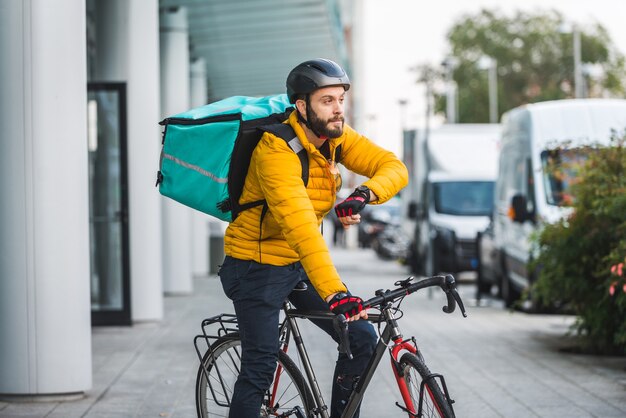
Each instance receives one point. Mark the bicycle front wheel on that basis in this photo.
(288, 395)
(434, 402)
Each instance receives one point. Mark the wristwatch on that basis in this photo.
(365, 190)
(338, 296)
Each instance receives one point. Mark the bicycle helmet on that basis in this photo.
(314, 74)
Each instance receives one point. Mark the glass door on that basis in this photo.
(108, 204)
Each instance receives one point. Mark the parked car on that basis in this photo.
(392, 243)
(375, 218)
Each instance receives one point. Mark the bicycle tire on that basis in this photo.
(224, 359)
(435, 403)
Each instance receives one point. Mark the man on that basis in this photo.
(267, 256)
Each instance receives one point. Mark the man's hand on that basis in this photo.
(349, 306)
(348, 210)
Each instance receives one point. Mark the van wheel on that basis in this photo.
(430, 266)
(411, 259)
(482, 286)
(509, 294)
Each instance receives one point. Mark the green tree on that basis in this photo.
(535, 61)
(581, 258)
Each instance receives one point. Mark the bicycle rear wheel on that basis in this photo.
(288, 395)
(434, 402)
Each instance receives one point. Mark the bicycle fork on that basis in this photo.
(411, 346)
(403, 345)
(395, 365)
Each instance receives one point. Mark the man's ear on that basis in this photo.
(301, 107)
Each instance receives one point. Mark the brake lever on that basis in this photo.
(340, 323)
(453, 296)
(459, 302)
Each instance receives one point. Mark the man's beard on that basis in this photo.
(321, 126)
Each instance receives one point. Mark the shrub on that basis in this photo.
(579, 257)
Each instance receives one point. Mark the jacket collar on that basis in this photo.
(293, 121)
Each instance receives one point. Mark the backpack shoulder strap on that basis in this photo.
(287, 134)
(338, 154)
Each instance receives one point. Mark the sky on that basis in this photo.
(399, 34)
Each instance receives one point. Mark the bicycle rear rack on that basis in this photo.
(227, 323)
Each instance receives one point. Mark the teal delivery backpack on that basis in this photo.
(206, 151)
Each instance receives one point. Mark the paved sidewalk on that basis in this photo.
(497, 363)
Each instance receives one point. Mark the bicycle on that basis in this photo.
(424, 394)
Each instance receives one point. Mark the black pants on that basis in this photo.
(258, 292)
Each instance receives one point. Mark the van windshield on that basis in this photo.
(560, 172)
(464, 198)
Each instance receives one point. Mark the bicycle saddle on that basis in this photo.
(300, 287)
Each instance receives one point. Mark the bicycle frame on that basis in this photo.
(390, 333)
(390, 339)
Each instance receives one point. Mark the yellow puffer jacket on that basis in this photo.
(291, 228)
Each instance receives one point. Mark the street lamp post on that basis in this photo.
(490, 64)
(449, 64)
(578, 70)
(578, 67)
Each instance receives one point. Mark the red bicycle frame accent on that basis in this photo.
(404, 390)
(279, 370)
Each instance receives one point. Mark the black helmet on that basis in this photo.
(314, 74)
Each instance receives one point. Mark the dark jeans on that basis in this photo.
(258, 292)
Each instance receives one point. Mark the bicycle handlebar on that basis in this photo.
(447, 283)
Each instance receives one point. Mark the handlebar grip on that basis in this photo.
(451, 303)
(340, 323)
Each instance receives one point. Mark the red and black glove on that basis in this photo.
(353, 203)
(345, 304)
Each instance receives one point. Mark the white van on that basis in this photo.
(527, 195)
(456, 208)
(451, 196)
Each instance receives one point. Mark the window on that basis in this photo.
(465, 198)
(560, 172)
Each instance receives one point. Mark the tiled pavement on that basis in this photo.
(497, 363)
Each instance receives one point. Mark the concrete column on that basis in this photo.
(175, 99)
(199, 221)
(198, 89)
(127, 50)
(45, 329)
(144, 148)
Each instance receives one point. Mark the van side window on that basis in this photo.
(514, 177)
(560, 170)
